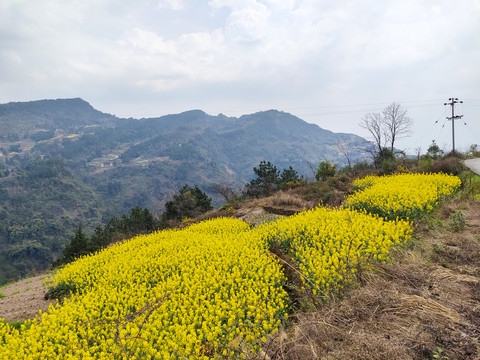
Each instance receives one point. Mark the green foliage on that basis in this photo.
(388, 167)
(325, 170)
(140, 221)
(42, 135)
(361, 168)
(47, 169)
(18, 325)
(78, 246)
(2, 295)
(60, 291)
(268, 179)
(438, 354)
(425, 164)
(434, 152)
(471, 185)
(385, 160)
(188, 203)
(266, 182)
(12, 136)
(15, 148)
(289, 177)
(28, 249)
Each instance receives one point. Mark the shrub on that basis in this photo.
(425, 164)
(384, 159)
(269, 180)
(449, 165)
(289, 178)
(387, 167)
(266, 182)
(325, 170)
(60, 291)
(189, 202)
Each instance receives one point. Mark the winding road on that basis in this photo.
(473, 164)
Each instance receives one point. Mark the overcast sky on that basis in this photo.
(327, 62)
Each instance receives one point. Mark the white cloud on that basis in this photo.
(171, 4)
(150, 42)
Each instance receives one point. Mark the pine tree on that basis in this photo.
(78, 246)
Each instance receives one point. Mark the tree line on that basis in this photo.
(189, 202)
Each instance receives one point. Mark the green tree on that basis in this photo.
(266, 182)
(325, 170)
(189, 202)
(434, 151)
(289, 176)
(78, 246)
(140, 221)
(15, 148)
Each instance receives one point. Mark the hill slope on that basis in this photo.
(423, 305)
(62, 163)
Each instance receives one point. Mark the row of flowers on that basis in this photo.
(404, 196)
(330, 245)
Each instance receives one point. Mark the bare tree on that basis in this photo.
(396, 123)
(387, 127)
(345, 149)
(418, 151)
(373, 122)
(225, 190)
(312, 167)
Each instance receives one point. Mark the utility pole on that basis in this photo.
(452, 103)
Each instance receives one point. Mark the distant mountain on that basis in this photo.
(26, 118)
(64, 160)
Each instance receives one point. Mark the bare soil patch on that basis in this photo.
(24, 299)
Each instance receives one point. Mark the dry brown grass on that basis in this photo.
(289, 199)
(425, 305)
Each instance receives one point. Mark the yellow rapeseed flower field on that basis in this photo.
(213, 290)
(194, 293)
(404, 196)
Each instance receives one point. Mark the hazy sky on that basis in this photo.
(327, 62)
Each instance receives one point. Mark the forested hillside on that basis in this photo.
(64, 163)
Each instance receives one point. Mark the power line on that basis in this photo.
(321, 109)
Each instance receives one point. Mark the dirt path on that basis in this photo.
(22, 300)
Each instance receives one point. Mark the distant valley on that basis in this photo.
(64, 163)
